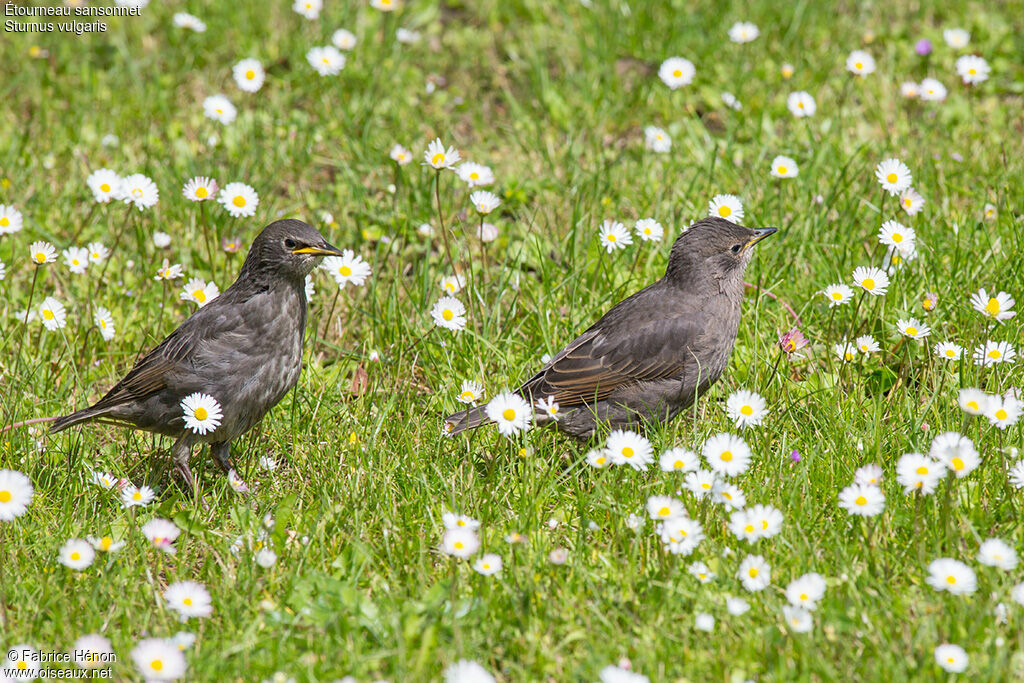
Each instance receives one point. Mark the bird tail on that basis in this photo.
(83, 415)
(471, 418)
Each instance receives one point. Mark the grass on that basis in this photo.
(554, 98)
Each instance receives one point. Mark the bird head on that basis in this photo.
(287, 248)
(716, 247)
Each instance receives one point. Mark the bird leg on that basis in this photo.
(180, 452)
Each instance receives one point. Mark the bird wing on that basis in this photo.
(609, 356)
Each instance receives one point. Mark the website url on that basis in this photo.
(30, 673)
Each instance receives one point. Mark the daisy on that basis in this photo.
(347, 268)
(239, 199)
(139, 190)
(613, 235)
(913, 328)
(310, 9)
(894, 234)
(487, 232)
(995, 552)
(199, 291)
(249, 75)
(51, 313)
(911, 201)
(161, 240)
(105, 321)
(860, 63)
(663, 507)
(384, 5)
(806, 591)
(449, 313)
(990, 212)
(1003, 412)
(997, 306)
(858, 499)
(801, 104)
(459, 542)
(676, 72)
(649, 230)
(657, 140)
(837, 295)
(406, 37)
(956, 38)
(754, 573)
(488, 564)
(993, 353)
(952, 658)
(973, 401)
(97, 252)
(972, 69)
(948, 350)
(15, 494)
(400, 155)
(678, 460)
(894, 176)
(92, 650)
(484, 202)
(867, 345)
(189, 21)
(266, 558)
(466, 671)
(450, 520)
(104, 183)
(736, 606)
(162, 534)
(767, 519)
(1016, 475)
(188, 599)
(42, 253)
(743, 526)
(76, 554)
(548, 408)
(438, 158)
(629, 448)
(475, 175)
(729, 100)
(105, 544)
(219, 108)
(787, 70)
(946, 574)
(704, 622)
(510, 412)
(202, 413)
(956, 452)
(846, 351)
(132, 496)
(745, 408)
(871, 280)
(76, 259)
(470, 392)
(104, 480)
(932, 90)
(916, 472)
(22, 663)
(910, 89)
(236, 482)
(159, 659)
(700, 483)
(169, 272)
(326, 61)
(598, 457)
(798, 619)
(343, 39)
(868, 475)
(700, 571)
(727, 206)
(200, 188)
(3, 270)
(730, 495)
(784, 167)
(743, 32)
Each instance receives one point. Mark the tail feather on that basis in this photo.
(471, 418)
(83, 415)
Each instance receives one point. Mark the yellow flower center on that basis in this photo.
(927, 304)
(992, 307)
(1001, 414)
(200, 413)
(859, 66)
(447, 314)
(5, 496)
(48, 314)
(896, 237)
(868, 283)
(749, 528)
(467, 395)
(486, 565)
(250, 74)
(837, 295)
(76, 556)
(971, 71)
(40, 257)
(803, 596)
(950, 352)
(199, 295)
(238, 201)
(726, 456)
(509, 414)
(847, 356)
(103, 323)
(601, 460)
(677, 73)
(995, 353)
(951, 579)
(747, 410)
(782, 170)
(647, 231)
(892, 177)
(106, 542)
(753, 572)
(950, 660)
(800, 105)
(105, 187)
(627, 452)
(705, 486)
(325, 60)
(861, 500)
(156, 665)
(973, 405)
(663, 512)
(678, 464)
(958, 464)
(911, 331)
(907, 202)
(922, 470)
(345, 271)
(474, 175)
(137, 193)
(724, 211)
(611, 238)
(202, 192)
(187, 602)
(22, 665)
(137, 495)
(458, 545)
(437, 159)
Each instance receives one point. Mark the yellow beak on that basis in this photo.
(327, 250)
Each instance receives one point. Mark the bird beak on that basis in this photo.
(760, 235)
(326, 250)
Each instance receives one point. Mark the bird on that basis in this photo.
(243, 348)
(654, 353)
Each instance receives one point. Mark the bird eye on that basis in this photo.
(290, 243)
(736, 248)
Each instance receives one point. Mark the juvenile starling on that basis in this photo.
(244, 348)
(654, 353)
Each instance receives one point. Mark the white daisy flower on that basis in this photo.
(464, 670)
(76, 259)
(438, 158)
(400, 155)
(219, 108)
(678, 460)
(459, 542)
(913, 328)
(932, 90)
(77, 554)
(989, 211)
(745, 408)
(952, 658)
(910, 89)
(700, 483)
(15, 494)
(52, 315)
(159, 659)
(161, 240)
(657, 140)
(510, 412)
(1003, 412)
(754, 573)
(729, 100)
(22, 663)
(860, 63)
(189, 21)
(894, 176)
(846, 351)
(139, 190)
(993, 353)
(475, 175)
(189, 599)
(680, 534)
(972, 69)
(327, 61)
(897, 235)
(947, 574)
(806, 591)
(104, 544)
(872, 280)
(343, 39)
(452, 284)
(956, 38)
(701, 572)
(862, 500)
(92, 651)
(488, 564)
(948, 350)
(911, 201)
(266, 558)
(996, 306)
(132, 496)
(973, 401)
(239, 199)
(484, 202)
(449, 313)
(97, 252)
(729, 495)
(384, 5)
(727, 206)
(249, 75)
(727, 454)
(743, 526)
(450, 520)
(104, 183)
(199, 189)
(663, 507)
(169, 272)
(598, 457)
(736, 606)
(868, 475)
(743, 32)
(767, 519)
(866, 344)
(548, 408)
(837, 295)
(995, 552)
(199, 291)
(798, 619)
(347, 268)
(676, 72)
(703, 621)
(406, 37)
(784, 167)
(801, 104)
(310, 9)
(649, 230)
(613, 235)
(629, 448)
(470, 392)
(162, 533)
(916, 472)
(105, 322)
(202, 413)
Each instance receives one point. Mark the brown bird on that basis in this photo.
(244, 349)
(655, 353)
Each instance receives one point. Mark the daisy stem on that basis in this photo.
(113, 247)
(28, 309)
(209, 242)
(828, 339)
(71, 358)
(483, 249)
(88, 217)
(440, 218)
